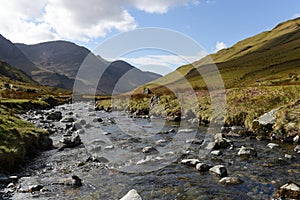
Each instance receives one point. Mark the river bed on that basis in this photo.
(111, 161)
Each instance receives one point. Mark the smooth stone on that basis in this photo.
(132, 195)
(221, 142)
(203, 167)
(247, 151)
(230, 181)
(55, 116)
(272, 145)
(219, 170)
(288, 156)
(296, 139)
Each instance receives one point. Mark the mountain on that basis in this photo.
(8, 72)
(12, 55)
(267, 59)
(69, 62)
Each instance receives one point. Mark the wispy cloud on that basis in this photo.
(219, 46)
(166, 63)
(296, 15)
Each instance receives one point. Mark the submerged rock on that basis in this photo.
(132, 195)
(272, 145)
(149, 150)
(72, 181)
(55, 116)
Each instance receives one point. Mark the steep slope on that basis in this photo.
(12, 55)
(8, 72)
(269, 58)
(66, 59)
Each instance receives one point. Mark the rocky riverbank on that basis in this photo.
(103, 155)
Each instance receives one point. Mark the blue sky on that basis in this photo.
(213, 24)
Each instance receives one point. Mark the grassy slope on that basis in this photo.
(19, 139)
(260, 73)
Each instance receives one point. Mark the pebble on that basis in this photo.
(216, 153)
(247, 151)
(289, 190)
(149, 150)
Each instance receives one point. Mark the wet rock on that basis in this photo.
(68, 126)
(297, 149)
(225, 129)
(272, 145)
(72, 181)
(264, 124)
(97, 120)
(172, 131)
(111, 120)
(149, 150)
(132, 195)
(288, 156)
(221, 142)
(187, 130)
(80, 132)
(238, 130)
(219, 170)
(216, 153)
(8, 179)
(296, 139)
(35, 188)
(67, 120)
(55, 116)
(202, 167)
(247, 151)
(76, 126)
(82, 122)
(190, 162)
(289, 190)
(87, 126)
(161, 141)
(109, 147)
(70, 142)
(194, 141)
(230, 181)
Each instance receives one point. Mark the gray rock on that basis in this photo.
(72, 181)
(161, 141)
(194, 141)
(221, 142)
(203, 167)
(76, 126)
(70, 142)
(149, 150)
(219, 170)
(82, 122)
(297, 149)
(67, 120)
(35, 188)
(272, 145)
(55, 116)
(132, 195)
(216, 153)
(296, 139)
(265, 122)
(288, 156)
(238, 129)
(247, 151)
(230, 181)
(190, 162)
(97, 120)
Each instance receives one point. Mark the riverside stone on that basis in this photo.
(219, 170)
(230, 181)
(132, 195)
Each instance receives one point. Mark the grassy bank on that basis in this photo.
(20, 140)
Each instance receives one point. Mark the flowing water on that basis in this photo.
(117, 140)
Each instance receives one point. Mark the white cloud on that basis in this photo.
(37, 21)
(220, 46)
(167, 63)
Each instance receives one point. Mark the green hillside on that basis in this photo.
(269, 58)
